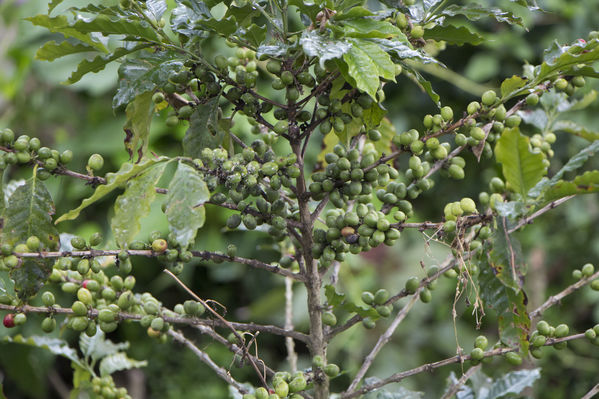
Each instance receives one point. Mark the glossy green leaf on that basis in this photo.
(272, 50)
(204, 130)
(81, 379)
(424, 84)
(134, 204)
(187, 193)
(128, 171)
(530, 4)
(322, 47)
(382, 60)
(117, 362)
(511, 86)
(576, 129)
(99, 62)
(362, 70)
(369, 28)
(352, 13)
(402, 50)
(521, 167)
(140, 75)
(108, 25)
(513, 383)
(451, 34)
(55, 346)
(51, 50)
(98, 346)
(60, 24)
(137, 128)
(29, 212)
(474, 13)
(563, 59)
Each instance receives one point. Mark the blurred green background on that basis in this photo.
(80, 117)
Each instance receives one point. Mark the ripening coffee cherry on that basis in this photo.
(468, 205)
(261, 393)
(282, 389)
(157, 97)
(297, 384)
(159, 245)
(9, 320)
(20, 319)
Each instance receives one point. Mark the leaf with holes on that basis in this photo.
(187, 193)
(131, 206)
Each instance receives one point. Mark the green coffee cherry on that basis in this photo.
(477, 354)
(48, 324)
(513, 358)
(282, 389)
(48, 298)
(329, 319)
(95, 162)
(488, 98)
(543, 327)
(331, 370)
(481, 342)
(33, 243)
(587, 270)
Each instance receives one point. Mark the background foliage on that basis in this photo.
(80, 117)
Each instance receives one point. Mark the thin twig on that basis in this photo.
(383, 339)
(289, 344)
(465, 377)
(221, 372)
(528, 219)
(434, 365)
(594, 391)
(226, 322)
(149, 253)
(554, 299)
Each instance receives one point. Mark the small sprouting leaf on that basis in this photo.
(99, 62)
(322, 47)
(60, 24)
(117, 362)
(521, 167)
(131, 206)
(97, 346)
(587, 183)
(140, 75)
(127, 172)
(51, 50)
(29, 212)
(204, 130)
(576, 129)
(513, 383)
(187, 193)
(137, 128)
(573, 164)
(510, 87)
(475, 13)
(55, 346)
(333, 298)
(451, 34)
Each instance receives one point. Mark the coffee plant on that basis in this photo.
(287, 131)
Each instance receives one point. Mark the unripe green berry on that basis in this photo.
(66, 157)
(588, 270)
(79, 308)
(481, 342)
(48, 298)
(513, 358)
(329, 319)
(85, 296)
(48, 324)
(477, 354)
(543, 327)
(488, 98)
(417, 31)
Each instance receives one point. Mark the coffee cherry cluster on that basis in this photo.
(105, 388)
(25, 150)
(285, 384)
